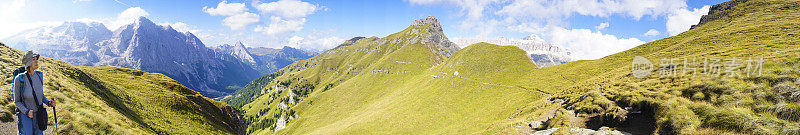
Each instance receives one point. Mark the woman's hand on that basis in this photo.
(30, 113)
(52, 103)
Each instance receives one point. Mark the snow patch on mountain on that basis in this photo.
(141, 45)
(542, 53)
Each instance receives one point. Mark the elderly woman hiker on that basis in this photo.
(29, 97)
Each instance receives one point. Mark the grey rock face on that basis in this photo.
(238, 51)
(262, 59)
(718, 11)
(349, 42)
(141, 45)
(181, 56)
(269, 60)
(437, 37)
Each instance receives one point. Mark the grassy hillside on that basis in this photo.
(604, 92)
(380, 85)
(111, 100)
(395, 84)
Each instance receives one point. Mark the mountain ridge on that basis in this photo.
(114, 100)
(147, 46)
(374, 73)
(142, 45)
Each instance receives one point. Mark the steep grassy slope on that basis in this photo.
(111, 100)
(433, 101)
(395, 84)
(604, 91)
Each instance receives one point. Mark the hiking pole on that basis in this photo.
(55, 116)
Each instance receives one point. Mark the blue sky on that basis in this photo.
(591, 28)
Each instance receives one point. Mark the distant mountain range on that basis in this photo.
(542, 53)
(262, 59)
(146, 46)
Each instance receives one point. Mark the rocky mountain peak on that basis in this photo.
(350, 42)
(438, 39)
(240, 46)
(144, 22)
(93, 31)
(434, 27)
(533, 37)
(295, 51)
(70, 41)
(288, 48)
(718, 11)
(93, 25)
(238, 51)
(425, 21)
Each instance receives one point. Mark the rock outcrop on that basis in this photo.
(718, 11)
(269, 60)
(238, 51)
(437, 37)
(349, 42)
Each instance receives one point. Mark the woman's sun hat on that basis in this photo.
(27, 59)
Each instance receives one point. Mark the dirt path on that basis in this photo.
(10, 128)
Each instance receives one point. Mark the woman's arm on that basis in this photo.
(18, 95)
(44, 98)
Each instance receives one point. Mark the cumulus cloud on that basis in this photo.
(473, 9)
(240, 21)
(587, 45)
(314, 43)
(547, 18)
(11, 12)
(554, 9)
(13, 24)
(280, 26)
(281, 19)
(237, 16)
(126, 17)
(286, 16)
(652, 32)
(683, 19)
(602, 26)
(515, 13)
(287, 8)
(226, 9)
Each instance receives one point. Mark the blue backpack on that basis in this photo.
(22, 81)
